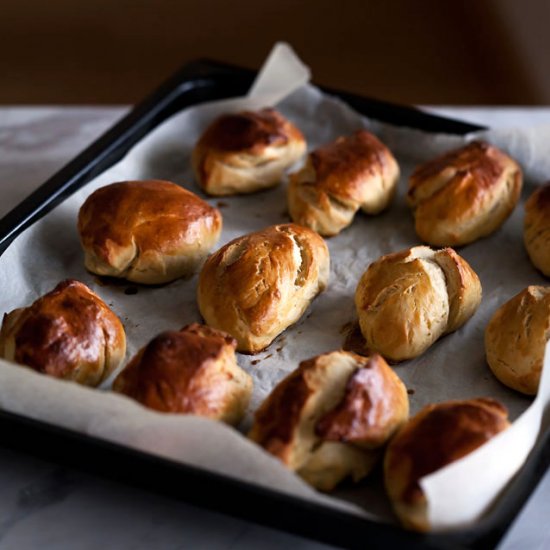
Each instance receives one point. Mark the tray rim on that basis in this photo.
(105, 151)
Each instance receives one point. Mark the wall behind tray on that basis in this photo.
(428, 51)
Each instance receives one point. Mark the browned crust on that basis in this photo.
(537, 228)
(474, 159)
(246, 152)
(67, 333)
(539, 199)
(156, 215)
(182, 372)
(248, 287)
(249, 131)
(344, 167)
(353, 172)
(438, 435)
(278, 416)
(515, 339)
(263, 259)
(374, 405)
(464, 195)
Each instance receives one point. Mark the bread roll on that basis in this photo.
(246, 152)
(354, 172)
(258, 285)
(464, 195)
(68, 333)
(148, 232)
(191, 371)
(516, 337)
(405, 301)
(330, 418)
(438, 435)
(537, 228)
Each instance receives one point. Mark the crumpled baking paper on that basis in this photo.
(454, 367)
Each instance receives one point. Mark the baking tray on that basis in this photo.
(199, 81)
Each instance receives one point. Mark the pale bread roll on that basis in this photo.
(407, 300)
(516, 337)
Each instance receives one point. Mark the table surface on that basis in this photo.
(46, 506)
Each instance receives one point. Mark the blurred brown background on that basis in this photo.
(430, 51)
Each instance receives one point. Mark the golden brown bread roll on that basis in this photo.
(464, 195)
(246, 152)
(259, 284)
(148, 232)
(68, 333)
(330, 418)
(536, 232)
(405, 301)
(191, 371)
(438, 435)
(516, 337)
(356, 171)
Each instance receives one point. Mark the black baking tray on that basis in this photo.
(199, 81)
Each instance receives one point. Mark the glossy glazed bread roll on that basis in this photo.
(246, 152)
(148, 232)
(516, 337)
(354, 172)
(405, 301)
(191, 371)
(438, 435)
(330, 418)
(68, 333)
(464, 195)
(258, 285)
(536, 231)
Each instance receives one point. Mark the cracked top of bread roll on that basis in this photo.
(464, 195)
(68, 333)
(516, 337)
(191, 371)
(354, 172)
(259, 284)
(406, 300)
(148, 232)
(328, 418)
(537, 228)
(246, 152)
(436, 436)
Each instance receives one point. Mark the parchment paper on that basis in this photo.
(454, 367)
